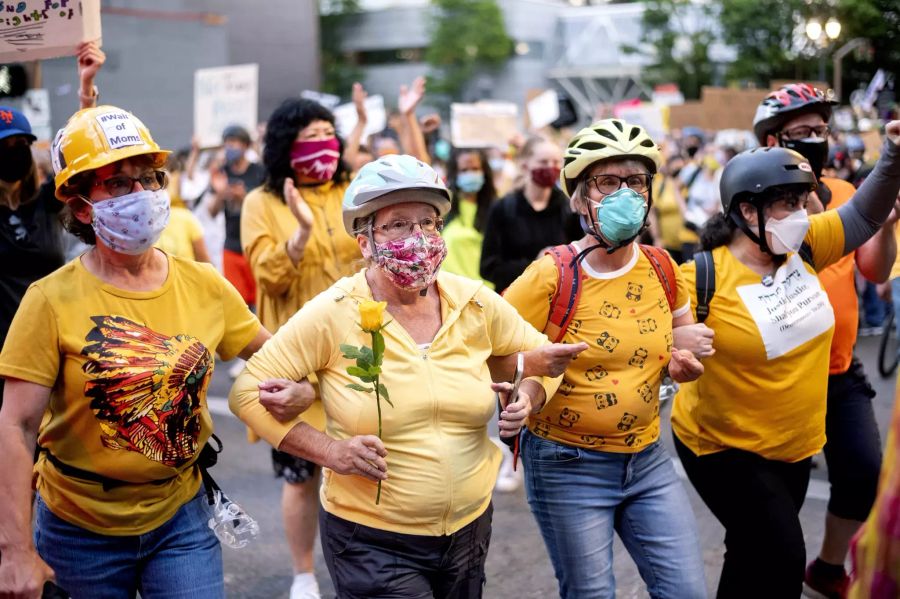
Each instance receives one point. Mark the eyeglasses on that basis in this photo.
(607, 184)
(805, 132)
(120, 185)
(402, 227)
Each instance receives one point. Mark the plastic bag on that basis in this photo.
(232, 525)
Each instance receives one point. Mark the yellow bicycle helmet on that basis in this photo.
(95, 137)
(609, 138)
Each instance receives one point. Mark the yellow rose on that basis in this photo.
(370, 315)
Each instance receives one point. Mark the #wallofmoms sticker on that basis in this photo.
(120, 129)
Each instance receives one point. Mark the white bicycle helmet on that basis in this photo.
(369, 191)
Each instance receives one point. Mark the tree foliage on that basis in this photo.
(339, 71)
(467, 36)
(679, 47)
(879, 22)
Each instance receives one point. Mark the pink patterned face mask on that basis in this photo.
(316, 160)
(412, 262)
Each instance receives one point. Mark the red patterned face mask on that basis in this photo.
(411, 262)
(317, 160)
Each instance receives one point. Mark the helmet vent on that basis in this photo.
(593, 145)
(618, 125)
(605, 134)
(569, 160)
(634, 133)
(647, 143)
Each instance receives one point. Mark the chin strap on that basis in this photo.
(759, 238)
(592, 228)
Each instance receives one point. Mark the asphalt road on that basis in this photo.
(517, 565)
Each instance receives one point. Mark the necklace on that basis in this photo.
(768, 280)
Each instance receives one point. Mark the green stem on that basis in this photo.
(378, 405)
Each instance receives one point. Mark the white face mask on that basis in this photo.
(788, 232)
(132, 223)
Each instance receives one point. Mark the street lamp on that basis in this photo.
(823, 35)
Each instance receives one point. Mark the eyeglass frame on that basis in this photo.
(648, 182)
(163, 184)
(825, 130)
(382, 228)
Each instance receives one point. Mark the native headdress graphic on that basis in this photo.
(146, 388)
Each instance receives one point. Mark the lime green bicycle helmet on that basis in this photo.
(609, 138)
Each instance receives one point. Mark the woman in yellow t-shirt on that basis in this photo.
(593, 460)
(107, 365)
(406, 513)
(746, 431)
(471, 183)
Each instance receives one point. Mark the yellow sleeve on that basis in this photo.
(31, 349)
(826, 238)
(683, 300)
(509, 333)
(195, 229)
(688, 283)
(241, 325)
(303, 345)
(531, 293)
(272, 267)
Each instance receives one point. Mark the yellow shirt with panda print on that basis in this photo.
(609, 396)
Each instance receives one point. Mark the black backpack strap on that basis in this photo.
(705, 283)
(806, 254)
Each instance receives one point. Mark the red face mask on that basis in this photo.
(316, 160)
(545, 176)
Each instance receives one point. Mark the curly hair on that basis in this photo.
(486, 196)
(718, 231)
(286, 122)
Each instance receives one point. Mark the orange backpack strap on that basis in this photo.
(568, 290)
(665, 272)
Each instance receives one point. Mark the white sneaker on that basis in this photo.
(305, 586)
(235, 369)
(508, 480)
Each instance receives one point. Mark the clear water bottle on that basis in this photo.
(232, 525)
(667, 389)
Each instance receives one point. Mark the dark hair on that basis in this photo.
(485, 196)
(286, 122)
(718, 231)
(84, 232)
(530, 145)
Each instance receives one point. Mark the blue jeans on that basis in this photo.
(182, 559)
(579, 497)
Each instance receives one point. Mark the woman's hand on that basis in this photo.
(515, 414)
(410, 96)
(892, 130)
(684, 367)
(552, 360)
(697, 338)
(363, 455)
(285, 399)
(299, 208)
(359, 96)
(90, 59)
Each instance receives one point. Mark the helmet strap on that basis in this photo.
(758, 236)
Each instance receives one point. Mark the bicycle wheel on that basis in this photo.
(887, 349)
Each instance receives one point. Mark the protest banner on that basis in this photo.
(647, 115)
(542, 109)
(483, 124)
(345, 117)
(689, 114)
(40, 29)
(329, 101)
(224, 96)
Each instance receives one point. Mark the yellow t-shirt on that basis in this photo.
(668, 212)
(441, 464)
(464, 244)
(609, 396)
(178, 237)
(129, 372)
(764, 389)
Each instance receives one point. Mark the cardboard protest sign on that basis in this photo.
(647, 115)
(329, 101)
(39, 29)
(224, 96)
(689, 114)
(543, 109)
(484, 124)
(376, 114)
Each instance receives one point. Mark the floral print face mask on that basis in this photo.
(412, 262)
(132, 223)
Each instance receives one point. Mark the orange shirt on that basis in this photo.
(840, 286)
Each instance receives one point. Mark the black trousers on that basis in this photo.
(369, 562)
(758, 502)
(853, 446)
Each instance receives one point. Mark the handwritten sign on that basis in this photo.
(484, 124)
(791, 311)
(224, 96)
(345, 117)
(39, 29)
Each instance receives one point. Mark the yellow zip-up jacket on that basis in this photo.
(282, 287)
(441, 464)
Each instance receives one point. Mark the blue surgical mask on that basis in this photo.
(470, 181)
(620, 216)
(232, 155)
